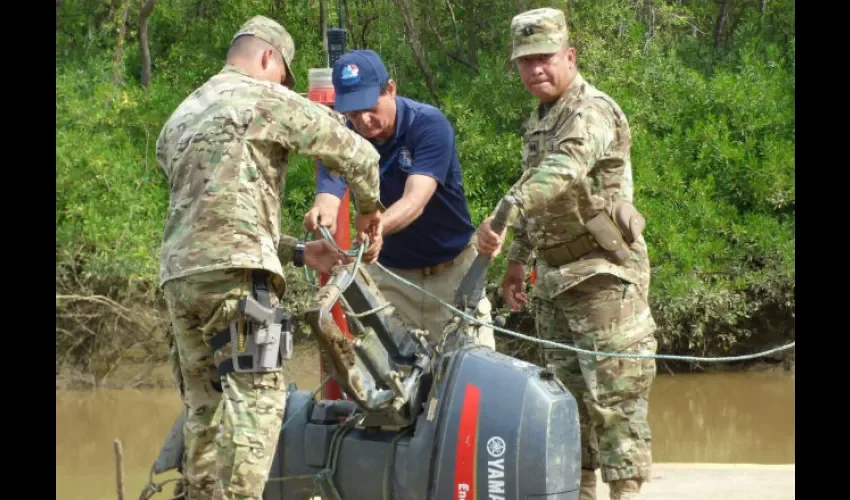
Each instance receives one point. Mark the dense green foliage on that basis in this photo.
(710, 98)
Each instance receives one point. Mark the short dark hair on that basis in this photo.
(248, 45)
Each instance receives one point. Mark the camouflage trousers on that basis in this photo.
(605, 314)
(230, 436)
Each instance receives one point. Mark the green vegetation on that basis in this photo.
(708, 88)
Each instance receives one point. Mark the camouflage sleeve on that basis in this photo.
(310, 129)
(286, 249)
(521, 247)
(580, 141)
(162, 153)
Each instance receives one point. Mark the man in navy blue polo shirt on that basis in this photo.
(427, 231)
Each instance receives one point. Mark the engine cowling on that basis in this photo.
(492, 427)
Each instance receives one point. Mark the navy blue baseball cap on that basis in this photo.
(357, 79)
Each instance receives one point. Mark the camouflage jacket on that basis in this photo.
(225, 152)
(576, 163)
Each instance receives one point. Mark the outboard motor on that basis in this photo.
(494, 427)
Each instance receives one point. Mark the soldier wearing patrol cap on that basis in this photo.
(225, 152)
(578, 225)
(269, 31)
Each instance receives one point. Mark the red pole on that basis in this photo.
(321, 91)
(342, 237)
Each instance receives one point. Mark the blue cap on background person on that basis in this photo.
(357, 78)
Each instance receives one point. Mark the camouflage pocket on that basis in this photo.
(269, 399)
(270, 381)
(248, 471)
(620, 378)
(580, 274)
(223, 316)
(250, 430)
(603, 320)
(248, 447)
(607, 310)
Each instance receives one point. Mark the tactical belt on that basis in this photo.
(261, 293)
(612, 236)
(570, 251)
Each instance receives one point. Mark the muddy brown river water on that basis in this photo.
(716, 418)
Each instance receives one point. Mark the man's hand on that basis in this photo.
(321, 256)
(374, 248)
(488, 242)
(513, 286)
(318, 216)
(324, 213)
(368, 224)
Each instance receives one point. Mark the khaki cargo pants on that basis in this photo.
(230, 436)
(420, 311)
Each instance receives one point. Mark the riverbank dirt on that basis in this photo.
(304, 368)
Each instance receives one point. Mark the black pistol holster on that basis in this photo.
(261, 337)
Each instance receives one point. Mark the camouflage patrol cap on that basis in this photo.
(538, 31)
(272, 32)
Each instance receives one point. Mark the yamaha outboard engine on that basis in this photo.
(494, 427)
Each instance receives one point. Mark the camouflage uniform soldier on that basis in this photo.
(225, 151)
(576, 217)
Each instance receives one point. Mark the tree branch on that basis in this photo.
(456, 56)
(59, 7)
(721, 20)
(348, 23)
(323, 26)
(118, 62)
(147, 9)
(418, 54)
(695, 29)
(365, 28)
(454, 24)
(459, 55)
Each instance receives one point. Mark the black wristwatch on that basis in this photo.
(298, 260)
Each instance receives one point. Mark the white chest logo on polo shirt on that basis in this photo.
(405, 160)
